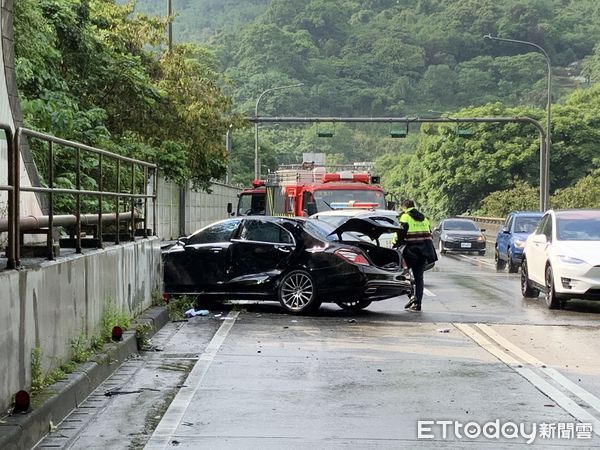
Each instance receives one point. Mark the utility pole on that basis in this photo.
(170, 26)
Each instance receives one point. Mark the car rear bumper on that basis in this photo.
(382, 290)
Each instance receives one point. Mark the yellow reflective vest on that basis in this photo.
(417, 231)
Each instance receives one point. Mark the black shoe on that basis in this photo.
(412, 301)
(414, 307)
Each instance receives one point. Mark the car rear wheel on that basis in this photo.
(355, 305)
(297, 293)
(500, 263)
(527, 290)
(552, 299)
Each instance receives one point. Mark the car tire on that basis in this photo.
(441, 249)
(481, 252)
(512, 266)
(553, 300)
(297, 293)
(354, 305)
(500, 263)
(527, 290)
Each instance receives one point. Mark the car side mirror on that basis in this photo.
(229, 208)
(505, 230)
(436, 230)
(539, 239)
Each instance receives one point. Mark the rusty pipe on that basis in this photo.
(31, 223)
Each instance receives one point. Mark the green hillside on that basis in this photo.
(197, 20)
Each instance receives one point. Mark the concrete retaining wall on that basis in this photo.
(50, 306)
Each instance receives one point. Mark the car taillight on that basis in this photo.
(352, 257)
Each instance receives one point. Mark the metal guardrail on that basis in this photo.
(134, 193)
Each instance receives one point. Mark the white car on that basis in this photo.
(337, 216)
(562, 257)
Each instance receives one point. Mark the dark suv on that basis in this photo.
(511, 238)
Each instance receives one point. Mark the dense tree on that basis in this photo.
(93, 71)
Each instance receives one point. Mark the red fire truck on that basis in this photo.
(306, 189)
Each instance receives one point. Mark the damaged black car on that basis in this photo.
(300, 262)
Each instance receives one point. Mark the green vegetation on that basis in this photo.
(178, 306)
(98, 72)
(95, 72)
(112, 317)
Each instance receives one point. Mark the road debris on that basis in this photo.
(193, 313)
(444, 330)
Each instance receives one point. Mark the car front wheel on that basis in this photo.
(441, 247)
(527, 290)
(552, 299)
(297, 293)
(354, 306)
(513, 267)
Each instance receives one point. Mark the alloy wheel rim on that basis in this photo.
(297, 291)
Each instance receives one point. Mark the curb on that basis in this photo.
(24, 431)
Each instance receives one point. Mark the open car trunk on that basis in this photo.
(382, 257)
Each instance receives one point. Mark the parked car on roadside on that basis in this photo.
(299, 261)
(562, 257)
(510, 240)
(338, 216)
(459, 235)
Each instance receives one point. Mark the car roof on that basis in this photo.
(358, 212)
(527, 213)
(458, 219)
(577, 213)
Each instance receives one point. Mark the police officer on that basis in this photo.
(418, 251)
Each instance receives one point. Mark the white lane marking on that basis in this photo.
(509, 345)
(168, 425)
(561, 399)
(487, 345)
(428, 293)
(580, 392)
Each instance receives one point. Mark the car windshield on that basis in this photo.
(330, 198)
(578, 228)
(251, 204)
(526, 224)
(460, 225)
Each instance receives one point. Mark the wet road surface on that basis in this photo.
(250, 376)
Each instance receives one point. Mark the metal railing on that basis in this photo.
(134, 194)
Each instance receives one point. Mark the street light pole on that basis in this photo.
(256, 162)
(544, 155)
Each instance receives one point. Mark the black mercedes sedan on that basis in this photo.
(299, 261)
(459, 235)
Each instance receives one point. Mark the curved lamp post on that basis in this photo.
(256, 163)
(545, 154)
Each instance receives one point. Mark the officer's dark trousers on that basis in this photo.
(418, 276)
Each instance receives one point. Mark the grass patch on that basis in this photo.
(180, 305)
(111, 317)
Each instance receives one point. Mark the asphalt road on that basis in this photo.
(250, 376)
